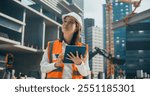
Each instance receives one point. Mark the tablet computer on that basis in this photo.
(72, 48)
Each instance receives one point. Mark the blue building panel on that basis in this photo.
(120, 11)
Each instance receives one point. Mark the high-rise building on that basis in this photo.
(76, 3)
(95, 39)
(88, 22)
(27, 26)
(138, 48)
(120, 10)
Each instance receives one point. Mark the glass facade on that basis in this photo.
(120, 11)
(138, 49)
(88, 22)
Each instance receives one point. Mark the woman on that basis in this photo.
(55, 68)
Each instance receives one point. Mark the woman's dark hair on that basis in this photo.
(75, 38)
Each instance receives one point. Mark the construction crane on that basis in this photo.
(109, 38)
(109, 31)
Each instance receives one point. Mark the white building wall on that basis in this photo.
(95, 36)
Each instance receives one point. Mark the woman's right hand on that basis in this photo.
(59, 62)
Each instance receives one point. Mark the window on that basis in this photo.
(123, 45)
(131, 32)
(116, 3)
(141, 31)
(123, 41)
(117, 41)
(127, 13)
(141, 60)
(140, 51)
(118, 56)
(121, 3)
(117, 37)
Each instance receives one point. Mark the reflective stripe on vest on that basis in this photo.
(58, 73)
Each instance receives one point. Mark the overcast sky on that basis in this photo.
(93, 9)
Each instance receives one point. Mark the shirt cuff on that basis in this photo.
(80, 65)
(54, 67)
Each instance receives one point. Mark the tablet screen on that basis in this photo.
(73, 49)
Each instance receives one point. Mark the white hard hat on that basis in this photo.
(75, 15)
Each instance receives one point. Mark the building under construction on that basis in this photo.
(25, 30)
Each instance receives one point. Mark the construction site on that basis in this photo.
(25, 30)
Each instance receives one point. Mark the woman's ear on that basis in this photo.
(78, 28)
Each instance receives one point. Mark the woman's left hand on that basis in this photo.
(76, 59)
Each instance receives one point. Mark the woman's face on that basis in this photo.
(69, 25)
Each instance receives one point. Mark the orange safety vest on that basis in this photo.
(57, 73)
